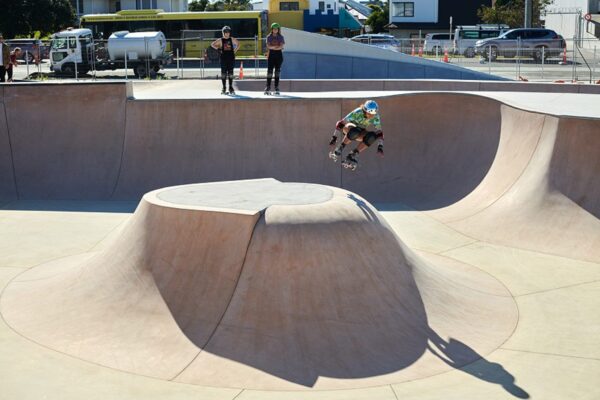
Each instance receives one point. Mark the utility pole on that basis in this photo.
(528, 12)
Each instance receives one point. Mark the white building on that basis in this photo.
(414, 11)
(111, 6)
(568, 18)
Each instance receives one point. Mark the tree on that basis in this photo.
(512, 12)
(379, 18)
(220, 5)
(24, 17)
(198, 5)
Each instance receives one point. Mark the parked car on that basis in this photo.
(378, 39)
(30, 49)
(537, 43)
(436, 43)
(465, 36)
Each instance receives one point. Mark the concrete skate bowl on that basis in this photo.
(264, 285)
(482, 166)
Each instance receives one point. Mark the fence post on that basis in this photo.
(76, 69)
(574, 69)
(518, 66)
(543, 60)
(490, 60)
(126, 70)
(177, 55)
(594, 66)
(27, 62)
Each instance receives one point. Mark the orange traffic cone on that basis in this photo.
(242, 70)
(412, 53)
(446, 56)
(420, 51)
(564, 60)
(598, 82)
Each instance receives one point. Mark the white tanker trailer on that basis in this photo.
(74, 50)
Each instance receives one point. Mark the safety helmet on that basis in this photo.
(275, 25)
(226, 29)
(370, 107)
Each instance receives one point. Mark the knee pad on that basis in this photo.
(370, 138)
(354, 132)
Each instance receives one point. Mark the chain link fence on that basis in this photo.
(192, 57)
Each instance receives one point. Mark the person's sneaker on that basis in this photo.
(231, 91)
(223, 91)
(267, 91)
(277, 91)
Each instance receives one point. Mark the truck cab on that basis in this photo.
(71, 51)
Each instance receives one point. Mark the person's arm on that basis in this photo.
(216, 44)
(236, 45)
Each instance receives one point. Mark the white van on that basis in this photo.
(436, 43)
(466, 36)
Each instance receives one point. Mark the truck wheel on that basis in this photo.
(140, 71)
(156, 68)
(68, 69)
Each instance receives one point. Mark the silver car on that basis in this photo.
(537, 43)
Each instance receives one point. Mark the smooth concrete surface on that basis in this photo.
(275, 299)
(249, 195)
(477, 188)
(354, 85)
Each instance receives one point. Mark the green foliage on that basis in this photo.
(379, 18)
(220, 5)
(198, 5)
(512, 12)
(26, 17)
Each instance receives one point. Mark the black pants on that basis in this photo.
(2, 73)
(9, 71)
(274, 63)
(227, 64)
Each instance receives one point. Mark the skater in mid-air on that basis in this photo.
(354, 127)
(227, 47)
(275, 44)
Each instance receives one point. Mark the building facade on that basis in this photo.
(415, 18)
(111, 6)
(567, 17)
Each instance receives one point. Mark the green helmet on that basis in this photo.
(275, 25)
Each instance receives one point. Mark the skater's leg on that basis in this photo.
(223, 78)
(278, 63)
(270, 66)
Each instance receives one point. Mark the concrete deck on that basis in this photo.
(499, 187)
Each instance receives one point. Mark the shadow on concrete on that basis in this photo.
(71, 206)
(457, 355)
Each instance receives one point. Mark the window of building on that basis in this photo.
(289, 6)
(403, 9)
(321, 6)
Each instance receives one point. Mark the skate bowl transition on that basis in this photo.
(254, 262)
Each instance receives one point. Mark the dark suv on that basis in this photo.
(537, 43)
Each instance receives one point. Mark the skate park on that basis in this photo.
(161, 241)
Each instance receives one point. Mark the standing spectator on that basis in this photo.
(275, 44)
(4, 58)
(14, 55)
(227, 46)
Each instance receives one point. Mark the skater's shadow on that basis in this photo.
(364, 207)
(458, 355)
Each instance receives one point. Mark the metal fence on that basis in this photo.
(192, 57)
